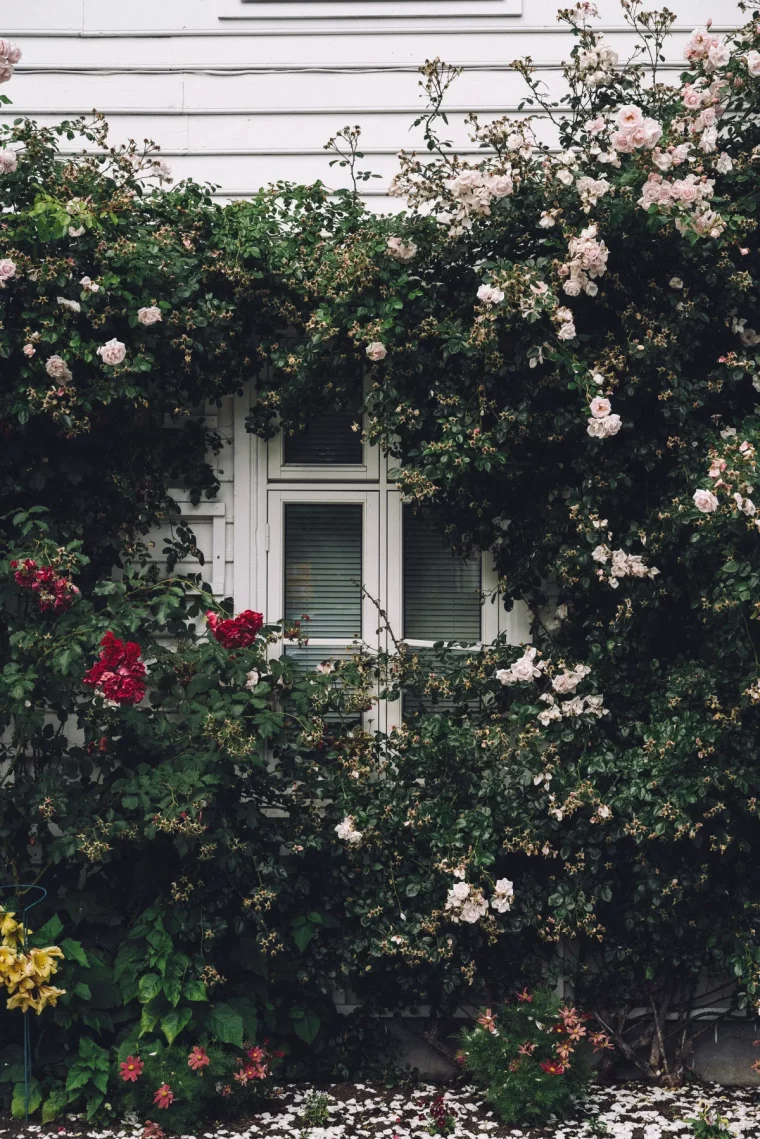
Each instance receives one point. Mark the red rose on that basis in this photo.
(118, 673)
(235, 632)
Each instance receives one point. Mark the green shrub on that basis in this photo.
(532, 1056)
(176, 1086)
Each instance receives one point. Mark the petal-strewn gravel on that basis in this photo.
(626, 1111)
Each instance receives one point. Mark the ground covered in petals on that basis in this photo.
(625, 1111)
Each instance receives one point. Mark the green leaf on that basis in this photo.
(227, 1025)
(194, 991)
(150, 986)
(49, 933)
(149, 1017)
(174, 1021)
(303, 934)
(54, 1104)
(307, 1027)
(18, 1103)
(74, 952)
(172, 991)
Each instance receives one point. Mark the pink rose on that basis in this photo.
(629, 117)
(718, 55)
(652, 133)
(662, 159)
(57, 368)
(595, 126)
(8, 161)
(29, 350)
(692, 96)
(113, 352)
(621, 142)
(149, 315)
(572, 287)
(705, 501)
(376, 351)
(400, 250)
(7, 269)
(600, 407)
(490, 295)
(753, 63)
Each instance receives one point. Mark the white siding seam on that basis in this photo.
(363, 30)
(296, 69)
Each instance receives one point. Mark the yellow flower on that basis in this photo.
(48, 995)
(43, 962)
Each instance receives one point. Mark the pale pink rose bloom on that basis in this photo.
(705, 501)
(600, 407)
(376, 351)
(663, 159)
(629, 116)
(6, 71)
(490, 295)
(709, 140)
(8, 161)
(698, 44)
(112, 352)
(401, 250)
(612, 424)
(621, 142)
(595, 429)
(7, 269)
(572, 287)
(753, 63)
(500, 185)
(724, 164)
(651, 192)
(595, 126)
(150, 315)
(652, 133)
(591, 288)
(708, 117)
(681, 153)
(718, 55)
(57, 368)
(692, 96)
(567, 331)
(547, 220)
(29, 350)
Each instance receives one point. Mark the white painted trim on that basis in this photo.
(238, 10)
(216, 511)
(369, 499)
(217, 33)
(221, 69)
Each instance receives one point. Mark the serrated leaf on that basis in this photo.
(149, 987)
(54, 1104)
(74, 952)
(227, 1025)
(19, 1105)
(174, 1021)
(194, 991)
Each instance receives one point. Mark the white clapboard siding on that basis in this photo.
(241, 93)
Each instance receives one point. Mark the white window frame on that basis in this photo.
(280, 471)
(278, 499)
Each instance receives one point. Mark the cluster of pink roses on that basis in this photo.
(634, 131)
(51, 589)
(687, 191)
(621, 564)
(603, 421)
(467, 903)
(707, 502)
(710, 50)
(474, 190)
(9, 57)
(401, 250)
(587, 259)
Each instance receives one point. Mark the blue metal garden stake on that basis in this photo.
(18, 889)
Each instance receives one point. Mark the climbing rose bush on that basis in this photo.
(559, 342)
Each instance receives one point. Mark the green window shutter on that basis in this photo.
(323, 568)
(328, 439)
(442, 594)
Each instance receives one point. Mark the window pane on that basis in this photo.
(329, 438)
(323, 568)
(442, 594)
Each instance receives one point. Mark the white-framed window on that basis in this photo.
(329, 537)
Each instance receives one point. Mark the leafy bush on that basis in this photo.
(532, 1056)
(563, 365)
(176, 1087)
